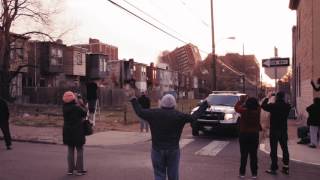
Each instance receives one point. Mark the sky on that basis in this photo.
(257, 25)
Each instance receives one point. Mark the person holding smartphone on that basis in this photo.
(279, 112)
(250, 126)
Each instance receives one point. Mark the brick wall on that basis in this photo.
(304, 55)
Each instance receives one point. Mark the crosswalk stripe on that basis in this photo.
(184, 142)
(213, 148)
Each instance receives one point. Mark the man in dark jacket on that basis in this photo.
(279, 112)
(166, 125)
(144, 102)
(4, 122)
(92, 98)
(314, 122)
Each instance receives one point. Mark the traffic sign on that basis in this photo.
(275, 62)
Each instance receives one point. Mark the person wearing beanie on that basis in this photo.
(249, 134)
(73, 134)
(279, 112)
(166, 125)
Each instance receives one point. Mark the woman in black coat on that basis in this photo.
(73, 134)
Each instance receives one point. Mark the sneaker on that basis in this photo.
(80, 173)
(83, 171)
(70, 173)
(254, 177)
(285, 170)
(312, 146)
(9, 148)
(241, 176)
(270, 171)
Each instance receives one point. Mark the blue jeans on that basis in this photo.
(165, 162)
(144, 125)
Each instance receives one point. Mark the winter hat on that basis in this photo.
(68, 97)
(168, 101)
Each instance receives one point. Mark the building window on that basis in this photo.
(78, 58)
(56, 61)
(53, 52)
(101, 64)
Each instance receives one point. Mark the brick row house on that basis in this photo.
(234, 72)
(18, 58)
(305, 57)
(183, 60)
(60, 67)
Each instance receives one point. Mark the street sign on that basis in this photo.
(275, 62)
(276, 74)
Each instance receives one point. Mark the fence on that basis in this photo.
(53, 96)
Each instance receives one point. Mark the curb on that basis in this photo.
(262, 147)
(33, 141)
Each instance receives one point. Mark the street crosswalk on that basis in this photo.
(210, 149)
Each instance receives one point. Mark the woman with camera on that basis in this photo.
(73, 131)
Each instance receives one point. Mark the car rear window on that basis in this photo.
(222, 100)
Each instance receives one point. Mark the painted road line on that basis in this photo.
(184, 142)
(213, 148)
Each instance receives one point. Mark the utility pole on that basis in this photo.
(243, 69)
(275, 70)
(213, 53)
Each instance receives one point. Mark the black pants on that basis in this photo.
(249, 146)
(282, 138)
(6, 133)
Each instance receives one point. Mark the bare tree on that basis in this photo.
(14, 13)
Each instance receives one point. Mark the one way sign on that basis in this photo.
(275, 62)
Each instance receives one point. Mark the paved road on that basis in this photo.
(202, 158)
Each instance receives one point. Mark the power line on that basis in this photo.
(235, 71)
(147, 14)
(137, 16)
(203, 22)
(171, 35)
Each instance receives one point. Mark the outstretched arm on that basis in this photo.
(265, 105)
(197, 113)
(314, 86)
(145, 114)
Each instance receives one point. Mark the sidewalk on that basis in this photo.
(53, 135)
(298, 152)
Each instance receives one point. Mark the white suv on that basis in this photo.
(220, 115)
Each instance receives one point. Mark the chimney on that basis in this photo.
(59, 41)
(91, 41)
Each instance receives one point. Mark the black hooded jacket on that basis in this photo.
(166, 124)
(279, 112)
(314, 113)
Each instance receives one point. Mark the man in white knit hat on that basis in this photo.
(166, 125)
